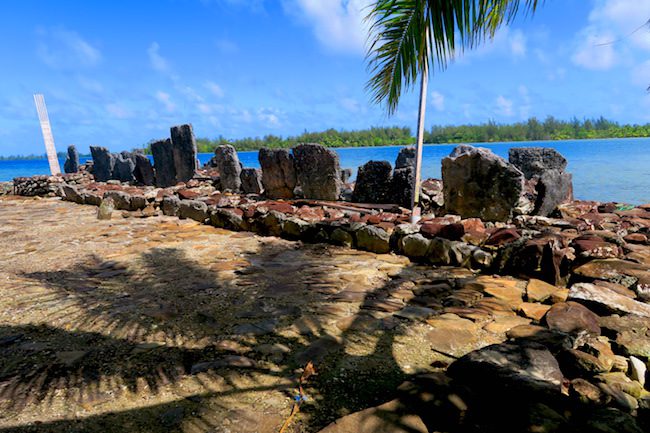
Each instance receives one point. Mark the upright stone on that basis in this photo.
(251, 181)
(403, 177)
(229, 167)
(318, 171)
(554, 187)
(103, 163)
(124, 167)
(278, 172)
(184, 151)
(71, 164)
(143, 172)
(478, 183)
(163, 162)
(405, 158)
(373, 183)
(534, 161)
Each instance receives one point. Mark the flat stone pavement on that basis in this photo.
(160, 324)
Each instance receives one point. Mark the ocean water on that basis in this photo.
(603, 170)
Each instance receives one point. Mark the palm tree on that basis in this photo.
(408, 36)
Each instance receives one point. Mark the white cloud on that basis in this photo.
(595, 51)
(338, 24)
(438, 100)
(60, 48)
(270, 117)
(517, 43)
(641, 74)
(504, 106)
(214, 88)
(506, 42)
(350, 104)
(118, 111)
(165, 99)
(158, 62)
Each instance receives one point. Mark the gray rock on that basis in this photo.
(609, 299)
(415, 246)
(143, 171)
(373, 183)
(105, 209)
(71, 193)
(534, 161)
(278, 172)
(341, 237)
(373, 239)
(124, 167)
(71, 164)
(318, 171)
(402, 186)
(510, 368)
(229, 167)
(193, 209)
(478, 183)
(163, 161)
(170, 205)
(228, 219)
(405, 158)
(103, 163)
(251, 181)
(554, 187)
(346, 174)
(184, 151)
(125, 201)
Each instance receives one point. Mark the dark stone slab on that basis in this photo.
(278, 172)
(534, 161)
(143, 171)
(71, 164)
(124, 167)
(163, 160)
(251, 181)
(103, 163)
(318, 171)
(184, 151)
(229, 167)
(373, 183)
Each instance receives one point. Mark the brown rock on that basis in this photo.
(503, 236)
(586, 392)
(572, 318)
(533, 310)
(539, 291)
(608, 299)
(391, 417)
(636, 238)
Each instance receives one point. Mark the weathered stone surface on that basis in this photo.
(372, 238)
(71, 193)
(251, 181)
(170, 205)
(539, 291)
(163, 160)
(124, 167)
(278, 172)
(103, 163)
(184, 152)
(71, 164)
(534, 161)
(510, 367)
(617, 271)
(402, 186)
(318, 171)
(229, 167)
(373, 183)
(609, 299)
(415, 246)
(553, 188)
(405, 158)
(341, 237)
(391, 417)
(105, 209)
(478, 183)
(193, 209)
(572, 318)
(143, 171)
(585, 392)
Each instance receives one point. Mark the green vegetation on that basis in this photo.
(60, 155)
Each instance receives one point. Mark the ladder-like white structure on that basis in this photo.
(55, 168)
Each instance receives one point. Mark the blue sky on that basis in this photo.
(119, 73)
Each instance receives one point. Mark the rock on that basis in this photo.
(609, 299)
(554, 341)
(391, 417)
(124, 167)
(539, 291)
(592, 246)
(638, 370)
(553, 188)
(278, 172)
(341, 237)
(193, 209)
(478, 183)
(163, 160)
(105, 210)
(184, 152)
(170, 205)
(586, 392)
(251, 181)
(71, 193)
(415, 246)
(405, 158)
(533, 310)
(572, 318)
(510, 368)
(535, 161)
(373, 239)
(318, 171)
(617, 271)
(373, 183)
(103, 163)
(229, 167)
(632, 333)
(71, 164)
(143, 171)
(402, 186)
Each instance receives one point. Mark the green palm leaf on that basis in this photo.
(407, 36)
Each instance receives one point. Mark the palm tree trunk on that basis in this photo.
(415, 198)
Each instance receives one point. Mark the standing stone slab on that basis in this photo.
(251, 181)
(71, 164)
(318, 171)
(534, 161)
(278, 172)
(143, 169)
(405, 158)
(478, 183)
(184, 151)
(373, 183)
(163, 161)
(103, 163)
(124, 167)
(554, 187)
(229, 167)
(403, 177)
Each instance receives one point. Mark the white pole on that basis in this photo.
(46, 129)
(415, 198)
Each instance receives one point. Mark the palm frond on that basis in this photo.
(407, 36)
